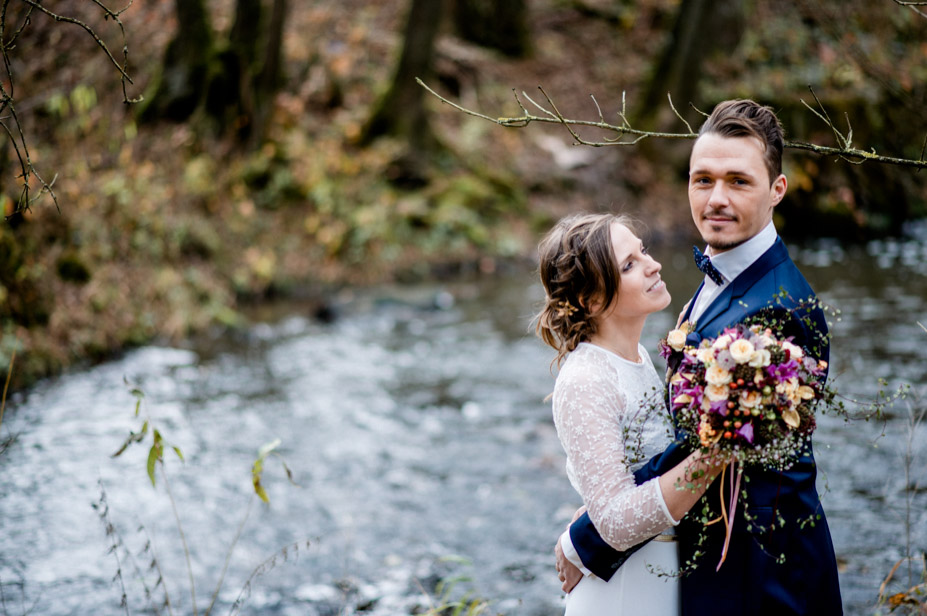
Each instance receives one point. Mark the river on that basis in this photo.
(415, 427)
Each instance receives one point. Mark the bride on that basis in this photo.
(609, 412)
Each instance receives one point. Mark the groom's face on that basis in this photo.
(730, 193)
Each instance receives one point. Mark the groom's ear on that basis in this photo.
(778, 189)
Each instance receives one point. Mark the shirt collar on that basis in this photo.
(733, 262)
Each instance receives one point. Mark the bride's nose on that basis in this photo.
(654, 265)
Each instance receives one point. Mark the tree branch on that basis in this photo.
(9, 120)
(844, 150)
(913, 4)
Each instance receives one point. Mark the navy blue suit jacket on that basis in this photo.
(751, 580)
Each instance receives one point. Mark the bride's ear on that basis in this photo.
(592, 306)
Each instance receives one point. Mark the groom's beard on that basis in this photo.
(723, 246)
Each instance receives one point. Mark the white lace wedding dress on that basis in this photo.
(611, 419)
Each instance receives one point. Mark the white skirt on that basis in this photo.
(636, 588)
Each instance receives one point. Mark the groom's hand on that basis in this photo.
(682, 314)
(567, 572)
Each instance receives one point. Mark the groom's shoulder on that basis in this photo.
(783, 271)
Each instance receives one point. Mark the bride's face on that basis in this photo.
(641, 289)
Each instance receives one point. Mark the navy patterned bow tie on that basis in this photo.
(703, 262)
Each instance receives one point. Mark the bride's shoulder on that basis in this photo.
(585, 363)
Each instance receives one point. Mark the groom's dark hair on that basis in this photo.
(747, 118)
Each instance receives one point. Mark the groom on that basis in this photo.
(781, 561)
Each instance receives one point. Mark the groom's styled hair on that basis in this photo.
(747, 118)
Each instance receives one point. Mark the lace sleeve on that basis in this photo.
(588, 409)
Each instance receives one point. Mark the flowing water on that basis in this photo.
(416, 429)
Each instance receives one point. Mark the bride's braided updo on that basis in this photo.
(580, 277)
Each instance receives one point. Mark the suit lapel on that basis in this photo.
(739, 287)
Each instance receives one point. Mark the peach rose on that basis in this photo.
(742, 350)
(676, 339)
(716, 375)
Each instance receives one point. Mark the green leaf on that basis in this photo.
(259, 490)
(178, 452)
(154, 454)
(256, 470)
(289, 473)
(134, 437)
(123, 448)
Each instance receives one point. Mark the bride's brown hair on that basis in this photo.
(580, 277)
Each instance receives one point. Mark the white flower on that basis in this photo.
(676, 339)
(759, 359)
(721, 342)
(705, 355)
(742, 351)
(716, 375)
(794, 351)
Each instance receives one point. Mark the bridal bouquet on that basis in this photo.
(748, 392)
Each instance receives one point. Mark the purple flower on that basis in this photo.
(719, 407)
(783, 372)
(746, 431)
(665, 350)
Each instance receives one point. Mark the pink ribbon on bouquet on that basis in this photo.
(729, 520)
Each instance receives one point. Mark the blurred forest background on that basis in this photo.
(283, 147)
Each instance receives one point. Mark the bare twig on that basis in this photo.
(6, 386)
(228, 557)
(527, 118)
(88, 29)
(913, 6)
(844, 150)
(269, 564)
(10, 121)
(669, 97)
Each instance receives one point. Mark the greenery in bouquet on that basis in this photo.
(749, 392)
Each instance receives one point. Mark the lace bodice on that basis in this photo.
(611, 419)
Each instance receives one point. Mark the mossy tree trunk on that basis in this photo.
(496, 25)
(232, 81)
(702, 28)
(401, 111)
(230, 98)
(179, 88)
(270, 75)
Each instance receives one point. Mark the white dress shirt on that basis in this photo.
(732, 264)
